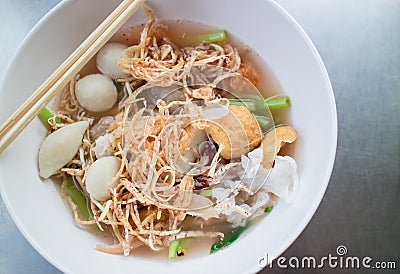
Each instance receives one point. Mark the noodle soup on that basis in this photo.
(170, 141)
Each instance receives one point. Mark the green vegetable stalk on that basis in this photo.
(78, 198)
(44, 116)
(278, 102)
(226, 242)
(212, 37)
(253, 105)
(176, 247)
(173, 248)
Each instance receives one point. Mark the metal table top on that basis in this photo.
(359, 41)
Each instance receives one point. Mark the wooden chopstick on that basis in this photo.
(17, 122)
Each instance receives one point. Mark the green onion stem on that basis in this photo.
(78, 198)
(278, 102)
(173, 248)
(212, 37)
(44, 116)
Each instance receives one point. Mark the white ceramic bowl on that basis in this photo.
(39, 212)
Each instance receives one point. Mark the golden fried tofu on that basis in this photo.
(273, 141)
(239, 132)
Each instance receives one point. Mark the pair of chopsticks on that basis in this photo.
(17, 122)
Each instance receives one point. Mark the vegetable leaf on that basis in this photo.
(268, 209)
(220, 244)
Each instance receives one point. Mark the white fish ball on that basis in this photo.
(96, 93)
(99, 175)
(60, 147)
(107, 59)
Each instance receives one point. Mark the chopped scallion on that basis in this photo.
(212, 37)
(44, 116)
(173, 248)
(278, 102)
(268, 209)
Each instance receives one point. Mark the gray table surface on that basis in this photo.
(359, 41)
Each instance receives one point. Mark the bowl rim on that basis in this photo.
(36, 28)
(332, 150)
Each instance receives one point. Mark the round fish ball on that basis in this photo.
(107, 59)
(99, 176)
(96, 93)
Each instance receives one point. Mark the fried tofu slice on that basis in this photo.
(238, 132)
(273, 141)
